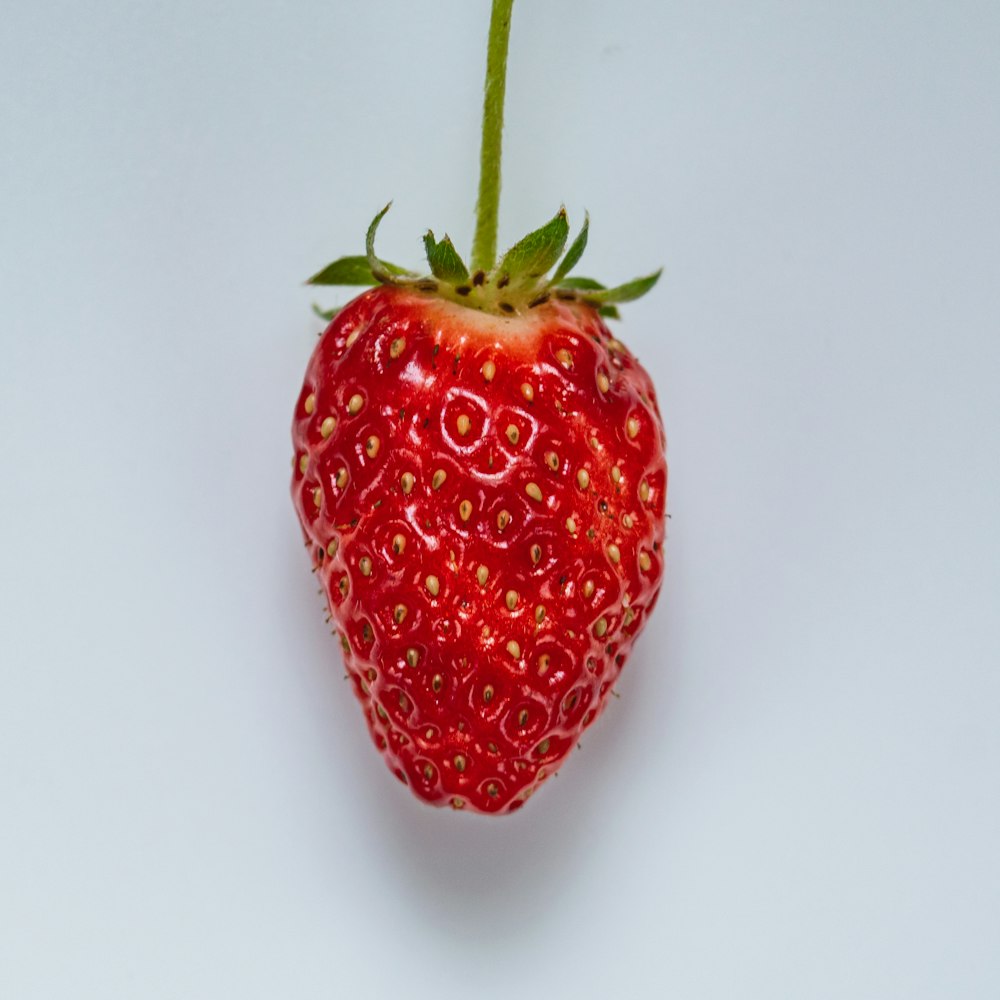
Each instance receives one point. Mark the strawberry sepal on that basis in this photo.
(518, 283)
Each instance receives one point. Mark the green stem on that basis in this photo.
(484, 245)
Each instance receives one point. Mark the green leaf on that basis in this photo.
(534, 255)
(352, 271)
(326, 314)
(574, 253)
(628, 292)
(345, 271)
(383, 272)
(446, 265)
(581, 283)
(587, 285)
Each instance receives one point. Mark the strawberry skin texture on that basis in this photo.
(483, 498)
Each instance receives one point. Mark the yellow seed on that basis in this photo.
(406, 481)
(644, 561)
(459, 763)
(543, 748)
(627, 520)
(543, 664)
(571, 525)
(464, 423)
(318, 497)
(437, 682)
(629, 618)
(412, 656)
(601, 628)
(488, 693)
(616, 474)
(398, 544)
(489, 370)
(503, 519)
(399, 613)
(540, 613)
(536, 554)
(457, 803)
(492, 790)
(588, 588)
(513, 434)
(602, 382)
(310, 403)
(533, 491)
(326, 428)
(352, 337)
(482, 575)
(428, 771)
(303, 463)
(438, 478)
(564, 358)
(331, 549)
(465, 510)
(396, 347)
(522, 717)
(595, 444)
(583, 479)
(632, 427)
(365, 565)
(527, 391)
(514, 649)
(614, 554)
(511, 599)
(552, 460)
(342, 478)
(372, 446)
(355, 403)
(433, 585)
(644, 491)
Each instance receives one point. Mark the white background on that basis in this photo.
(796, 794)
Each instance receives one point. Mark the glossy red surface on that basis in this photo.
(484, 613)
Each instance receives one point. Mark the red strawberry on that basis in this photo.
(479, 472)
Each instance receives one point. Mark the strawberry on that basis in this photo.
(479, 473)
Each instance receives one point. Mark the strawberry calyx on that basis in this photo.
(521, 279)
(530, 273)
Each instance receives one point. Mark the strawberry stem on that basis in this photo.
(484, 244)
